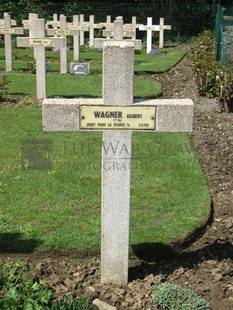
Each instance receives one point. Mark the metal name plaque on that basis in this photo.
(63, 32)
(40, 42)
(5, 31)
(117, 117)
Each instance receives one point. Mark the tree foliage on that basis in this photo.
(187, 18)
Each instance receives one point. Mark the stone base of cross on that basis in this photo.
(117, 115)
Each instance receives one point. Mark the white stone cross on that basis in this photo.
(63, 32)
(40, 42)
(118, 33)
(8, 31)
(117, 115)
(162, 27)
(149, 28)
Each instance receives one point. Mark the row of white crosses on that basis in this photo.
(62, 29)
(76, 29)
(39, 42)
(159, 115)
(129, 29)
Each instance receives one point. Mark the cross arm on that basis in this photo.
(15, 30)
(98, 43)
(28, 24)
(149, 27)
(172, 115)
(126, 33)
(13, 23)
(46, 42)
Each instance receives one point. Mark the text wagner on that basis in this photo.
(108, 114)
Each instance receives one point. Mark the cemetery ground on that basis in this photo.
(203, 261)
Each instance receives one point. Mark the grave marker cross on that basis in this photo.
(40, 42)
(75, 115)
(162, 27)
(76, 29)
(149, 28)
(92, 26)
(7, 31)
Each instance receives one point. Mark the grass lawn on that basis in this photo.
(66, 86)
(91, 85)
(60, 208)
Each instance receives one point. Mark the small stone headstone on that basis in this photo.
(79, 68)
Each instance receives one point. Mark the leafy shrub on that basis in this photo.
(26, 101)
(169, 296)
(71, 304)
(3, 87)
(213, 78)
(20, 289)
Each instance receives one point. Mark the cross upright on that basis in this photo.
(63, 32)
(117, 115)
(7, 30)
(76, 29)
(40, 42)
(162, 27)
(76, 44)
(29, 24)
(81, 35)
(92, 26)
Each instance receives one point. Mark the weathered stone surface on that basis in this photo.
(103, 305)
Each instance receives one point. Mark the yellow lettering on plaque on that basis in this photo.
(5, 31)
(117, 117)
(40, 42)
(63, 32)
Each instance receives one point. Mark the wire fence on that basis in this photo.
(224, 36)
